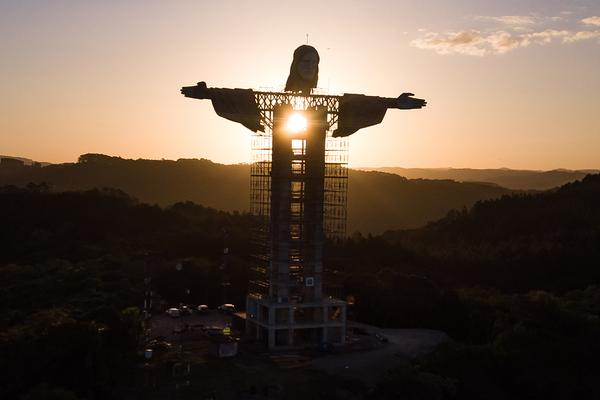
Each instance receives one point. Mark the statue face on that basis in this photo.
(307, 66)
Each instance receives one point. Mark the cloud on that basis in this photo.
(519, 21)
(515, 31)
(466, 42)
(583, 35)
(511, 19)
(591, 21)
(476, 43)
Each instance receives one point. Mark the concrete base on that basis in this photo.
(296, 325)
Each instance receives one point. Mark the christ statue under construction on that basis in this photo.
(296, 187)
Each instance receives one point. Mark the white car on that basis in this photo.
(227, 308)
(174, 312)
(202, 309)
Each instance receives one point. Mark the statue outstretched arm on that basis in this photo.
(357, 111)
(406, 101)
(237, 105)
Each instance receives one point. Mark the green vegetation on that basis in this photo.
(513, 281)
(72, 270)
(530, 346)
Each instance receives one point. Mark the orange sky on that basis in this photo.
(509, 84)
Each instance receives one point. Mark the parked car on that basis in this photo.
(226, 308)
(174, 312)
(202, 309)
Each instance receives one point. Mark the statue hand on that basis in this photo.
(200, 91)
(406, 102)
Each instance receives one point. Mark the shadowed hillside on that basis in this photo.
(521, 242)
(377, 201)
(163, 182)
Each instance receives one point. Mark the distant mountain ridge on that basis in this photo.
(376, 201)
(27, 161)
(508, 178)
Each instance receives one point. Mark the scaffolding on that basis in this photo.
(308, 207)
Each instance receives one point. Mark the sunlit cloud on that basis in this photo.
(477, 43)
(467, 42)
(511, 19)
(519, 21)
(583, 35)
(507, 33)
(591, 21)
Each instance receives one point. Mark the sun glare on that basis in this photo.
(296, 122)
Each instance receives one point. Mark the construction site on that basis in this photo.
(298, 191)
(299, 184)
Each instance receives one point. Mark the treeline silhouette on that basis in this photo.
(513, 281)
(376, 201)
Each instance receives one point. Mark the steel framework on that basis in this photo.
(332, 204)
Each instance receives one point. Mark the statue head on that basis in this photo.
(304, 71)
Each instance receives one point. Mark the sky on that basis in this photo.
(509, 83)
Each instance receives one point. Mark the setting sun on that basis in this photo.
(296, 123)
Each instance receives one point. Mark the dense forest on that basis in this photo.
(72, 268)
(376, 201)
(513, 281)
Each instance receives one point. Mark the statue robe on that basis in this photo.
(356, 111)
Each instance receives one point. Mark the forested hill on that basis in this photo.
(162, 182)
(377, 201)
(574, 206)
(547, 240)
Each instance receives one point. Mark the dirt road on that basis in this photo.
(370, 366)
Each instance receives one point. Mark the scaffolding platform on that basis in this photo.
(299, 184)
